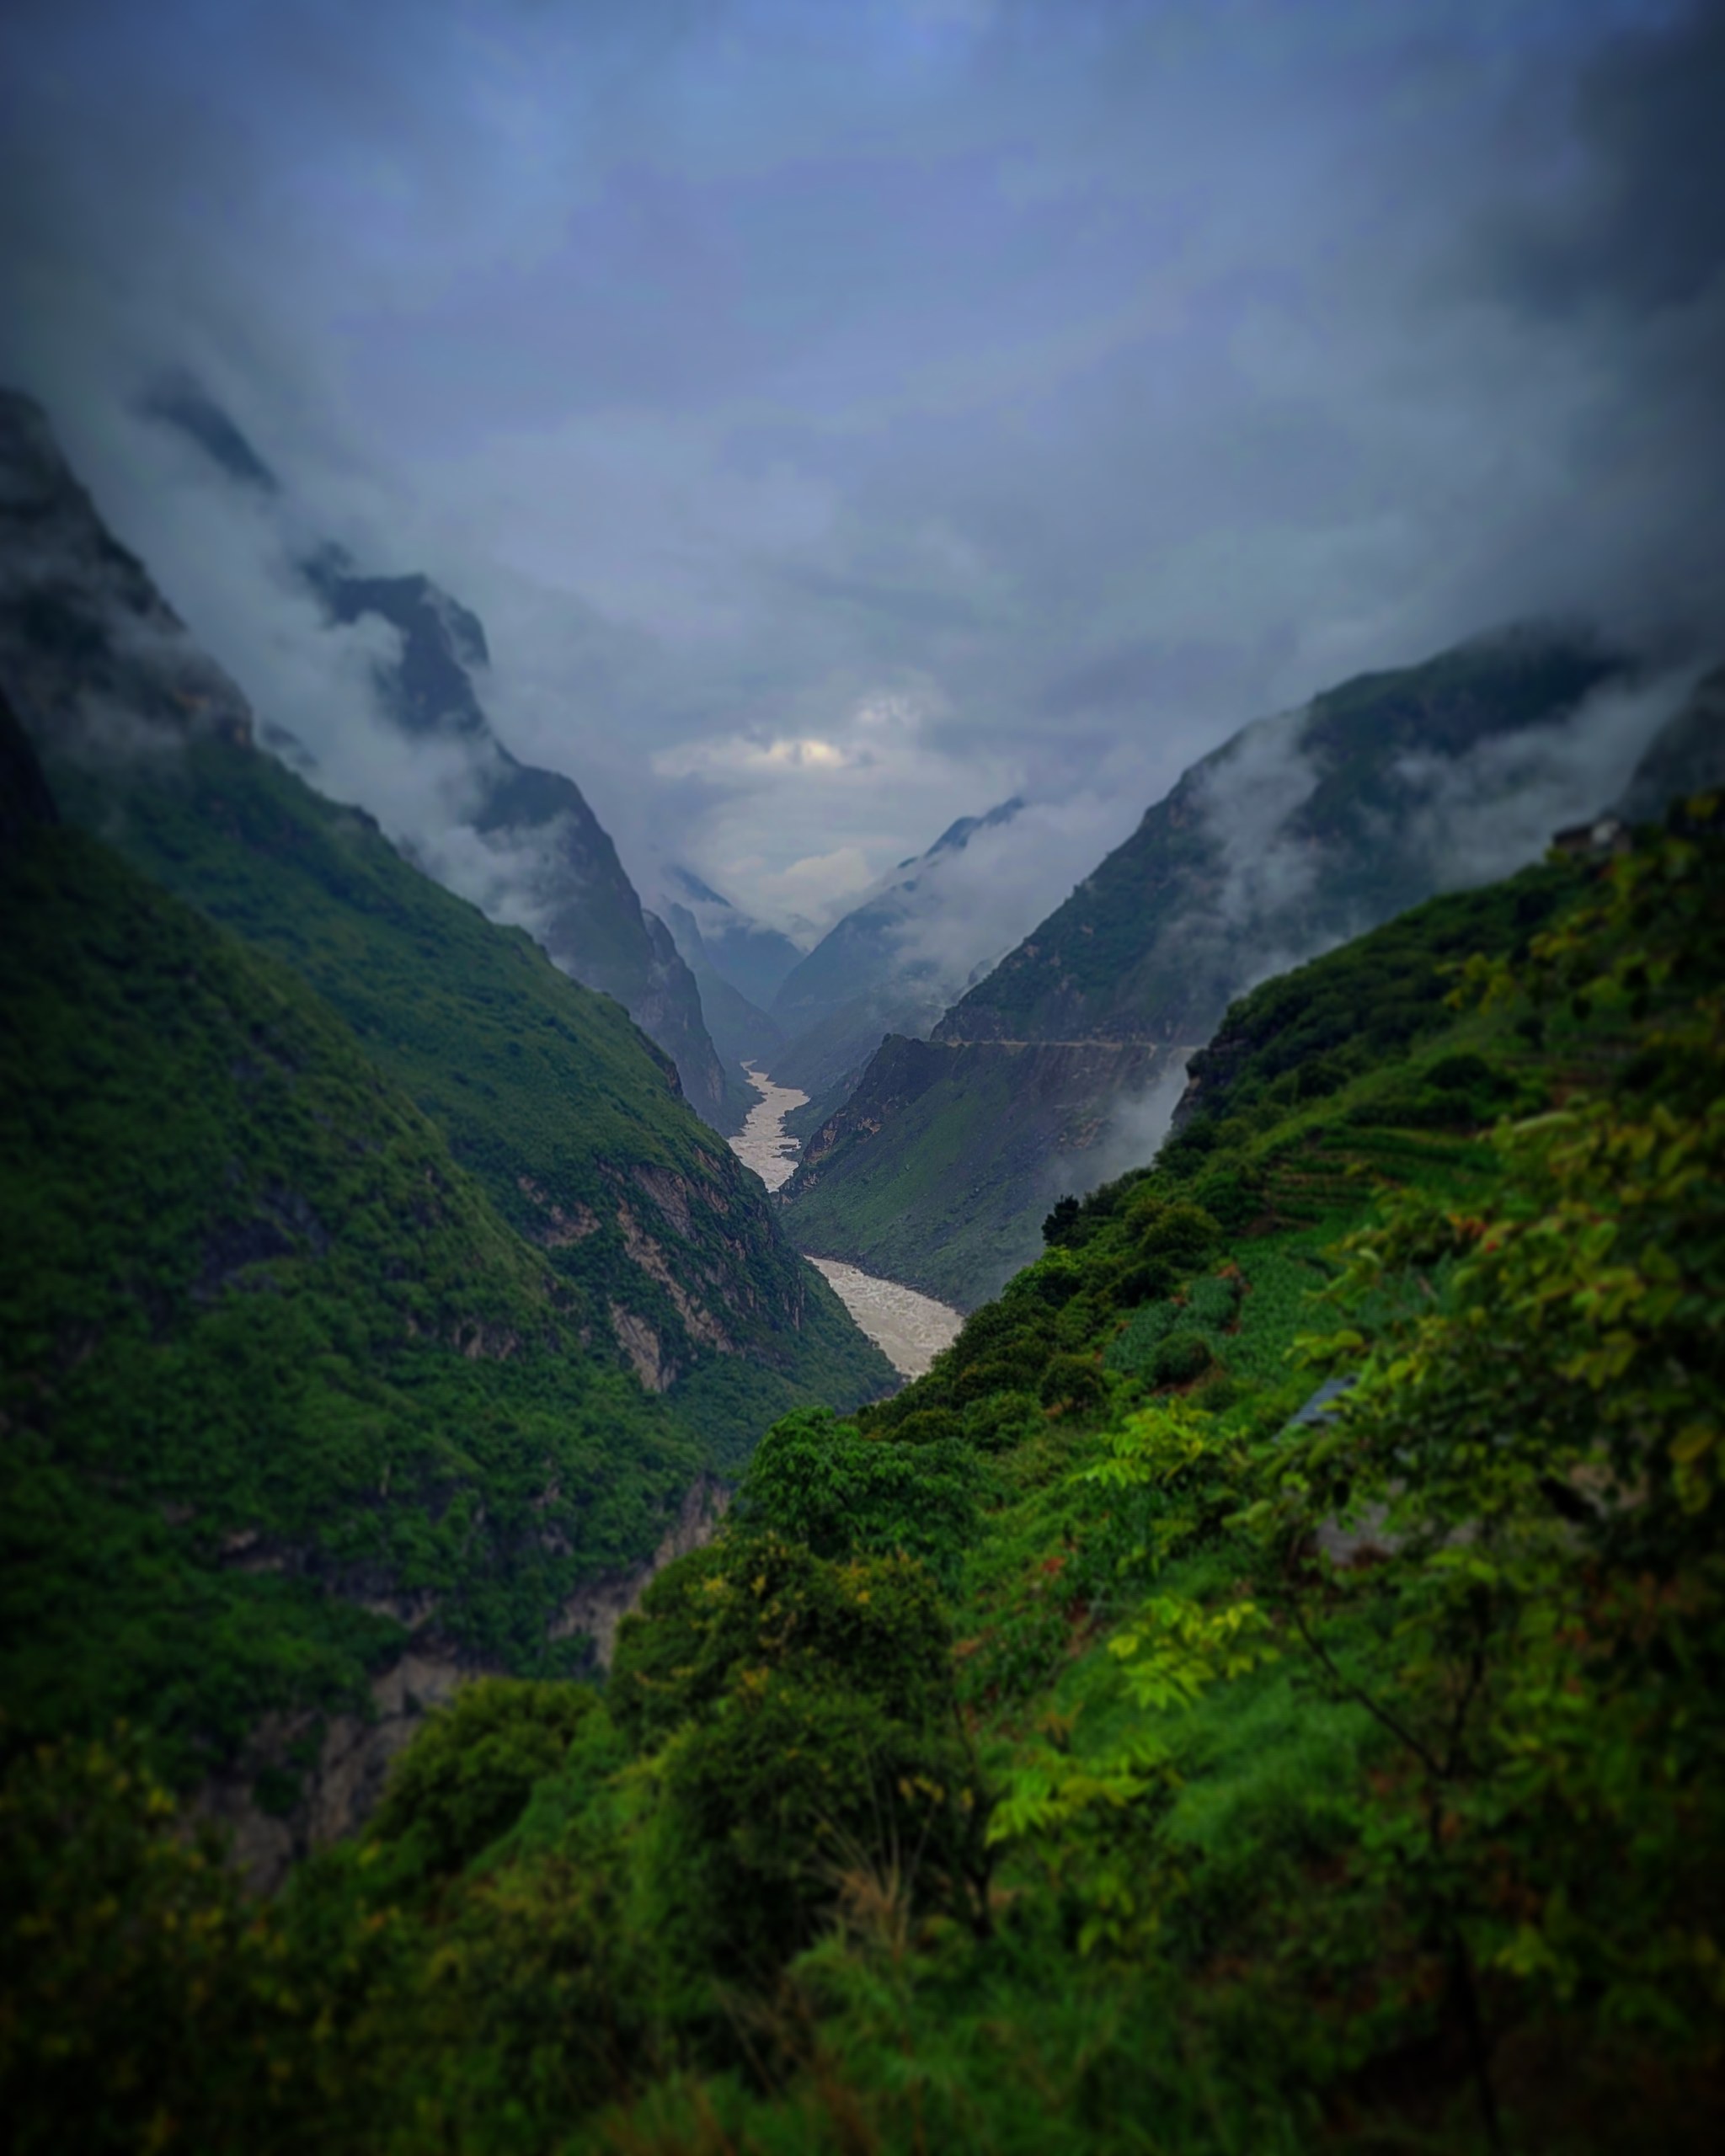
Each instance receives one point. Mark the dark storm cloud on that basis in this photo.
(844, 418)
(1644, 231)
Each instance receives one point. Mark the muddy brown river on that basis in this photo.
(908, 1328)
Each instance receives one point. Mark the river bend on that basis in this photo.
(908, 1328)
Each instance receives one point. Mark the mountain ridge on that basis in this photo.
(560, 860)
(1296, 832)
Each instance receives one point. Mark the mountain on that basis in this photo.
(1299, 831)
(571, 1120)
(1264, 1678)
(1685, 756)
(741, 1033)
(373, 1305)
(892, 964)
(559, 862)
(754, 959)
(290, 1409)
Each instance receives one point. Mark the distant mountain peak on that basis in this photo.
(958, 834)
(692, 887)
(180, 402)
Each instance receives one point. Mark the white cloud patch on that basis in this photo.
(1248, 797)
(1493, 811)
(974, 904)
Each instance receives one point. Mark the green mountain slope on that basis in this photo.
(545, 1091)
(1260, 1690)
(282, 1388)
(591, 921)
(1298, 832)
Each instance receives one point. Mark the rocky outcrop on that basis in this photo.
(312, 1805)
(600, 1606)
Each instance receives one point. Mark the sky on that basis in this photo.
(846, 414)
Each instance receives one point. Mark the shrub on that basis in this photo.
(805, 1723)
(816, 1481)
(1145, 1282)
(1000, 1420)
(1183, 1234)
(1073, 1383)
(1058, 1227)
(1183, 1356)
(466, 1777)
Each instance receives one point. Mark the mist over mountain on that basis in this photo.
(741, 1031)
(1062, 1066)
(521, 841)
(753, 957)
(1685, 756)
(931, 928)
(555, 1100)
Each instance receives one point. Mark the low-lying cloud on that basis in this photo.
(1086, 381)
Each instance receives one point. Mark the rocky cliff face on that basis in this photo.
(347, 1755)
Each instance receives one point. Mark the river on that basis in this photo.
(908, 1328)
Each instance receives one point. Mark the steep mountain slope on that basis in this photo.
(885, 968)
(1686, 756)
(741, 1033)
(754, 959)
(288, 1404)
(559, 859)
(1297, 832)
(675, 1268)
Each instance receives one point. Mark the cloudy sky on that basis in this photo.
(844, 414)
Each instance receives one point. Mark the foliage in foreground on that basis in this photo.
(1184, 1765)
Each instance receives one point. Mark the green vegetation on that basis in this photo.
(565, 1114)
(277, 1378)
(1098, 1745)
